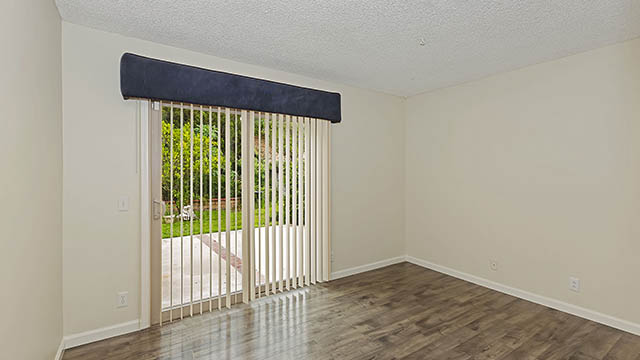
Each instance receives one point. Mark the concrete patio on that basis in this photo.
(213, 258)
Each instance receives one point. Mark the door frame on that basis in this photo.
(143, 111)
(149, 128)
(156, 211)
(151, 211)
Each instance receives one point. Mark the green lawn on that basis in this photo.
(166, 228)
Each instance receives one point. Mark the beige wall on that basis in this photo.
(101, 245)
(538, 169)
(31, 180)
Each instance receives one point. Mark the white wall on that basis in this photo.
(31, 180)
(538, 169)
(101, 246)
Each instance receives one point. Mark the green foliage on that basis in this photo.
(205, 140)
(197, 129)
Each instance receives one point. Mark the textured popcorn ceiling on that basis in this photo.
(371, 44)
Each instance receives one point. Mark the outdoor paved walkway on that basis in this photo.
(213, 256)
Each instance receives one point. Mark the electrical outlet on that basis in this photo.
(493, 265)
(574, 284)
(123, 299)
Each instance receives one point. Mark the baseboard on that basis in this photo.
(74, 340)
(60, 351)
(367, 267)
(535, 298)
(86, 337)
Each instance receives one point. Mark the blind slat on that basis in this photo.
(201, 219)
(280, 200)
(313, 222)
(274, 124)
(219, 212)
(300, 176)
(171, 217)
(267, 206)
(227, 193)
(259, 233)
(287, 210)
(191, 210)
(307, 199)
(210, 209)
(319, 188)
(294, 204)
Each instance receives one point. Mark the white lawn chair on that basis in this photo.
(188, 213)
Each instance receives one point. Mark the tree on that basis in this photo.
(174, 136)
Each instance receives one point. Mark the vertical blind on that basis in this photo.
(247, 199)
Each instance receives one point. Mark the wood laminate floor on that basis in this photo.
(401, 311)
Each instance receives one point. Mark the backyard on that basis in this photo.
(209, 219)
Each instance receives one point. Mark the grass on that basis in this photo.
(204, 217)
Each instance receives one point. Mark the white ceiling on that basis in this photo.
(371, 44)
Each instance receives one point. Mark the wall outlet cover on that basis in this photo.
(574, 284)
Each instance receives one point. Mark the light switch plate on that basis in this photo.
(123, 203)
(123, 299)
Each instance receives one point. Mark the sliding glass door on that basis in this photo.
(240, 206)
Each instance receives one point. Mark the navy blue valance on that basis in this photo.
(146, 78)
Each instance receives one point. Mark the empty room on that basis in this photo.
(320, 179)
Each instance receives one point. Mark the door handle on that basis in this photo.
(158, 209)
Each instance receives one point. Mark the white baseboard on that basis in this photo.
(60, 351)
(535, 298)
(90, 336)
(74, 340)
(367, 267)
